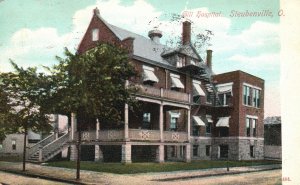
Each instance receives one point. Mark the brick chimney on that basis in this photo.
(96, 11)
(208, 58)
(186, 32)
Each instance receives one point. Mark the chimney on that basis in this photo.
(155, 35)
(96, 11)
(208, 58)
(186, 32)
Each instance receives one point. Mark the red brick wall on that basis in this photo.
(239, 111)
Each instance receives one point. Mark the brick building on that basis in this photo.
(187, 112)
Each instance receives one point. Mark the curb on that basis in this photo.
(211, 175)
(25, 174)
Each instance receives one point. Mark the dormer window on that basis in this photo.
(180, 62)
(95, 34)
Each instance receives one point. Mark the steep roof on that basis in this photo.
(142, 46)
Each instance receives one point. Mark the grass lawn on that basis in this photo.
(155, 167)
(11, 158)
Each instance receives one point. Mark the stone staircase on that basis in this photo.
(47, 150)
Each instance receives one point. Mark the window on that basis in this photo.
(246, 95)
(223, 131)
(146, 120)
(195, 150)
(223, 151)
(252, 151)
(256, 98)
(13, 144)
(95, 34)
(173, 123)
(207, 150)
(225, 98)
(248, 127)
(173, 151)
(149, 78)
(254, 123)
(251, 124)
(196, 131)
(180, 62)
(208, 128)
(176, 84)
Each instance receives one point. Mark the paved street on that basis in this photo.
(11, 179)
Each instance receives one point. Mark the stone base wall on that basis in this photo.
(73, 153)
(272, 152)
(244, 149)
(201, 151)
(239, 148)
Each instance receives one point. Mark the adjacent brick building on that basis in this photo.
(186, 113)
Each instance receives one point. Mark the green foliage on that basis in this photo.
(22, 94)
(93, 83)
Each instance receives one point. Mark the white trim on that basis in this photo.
(174, 114)
(252, 86)
(252, 116)
(226, 84)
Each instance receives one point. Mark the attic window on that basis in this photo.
(180, 62)
(95, 34)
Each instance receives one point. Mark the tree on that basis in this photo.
(92, 85)
(23, 92)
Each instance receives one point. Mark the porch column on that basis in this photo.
(188, 153)
(161, 122)
(160, 154)
(73, 153)
(126, 123)
(97, 129)
(73, 126)
(189, 124)
(98, 153)
(126, 153)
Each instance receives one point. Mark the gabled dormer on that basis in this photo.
(185, 57)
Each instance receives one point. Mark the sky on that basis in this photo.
(33, 32)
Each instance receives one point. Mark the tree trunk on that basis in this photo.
(24, 149)
(78, 153)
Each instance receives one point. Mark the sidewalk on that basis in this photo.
(90, 177)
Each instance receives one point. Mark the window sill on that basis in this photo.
(250, 106)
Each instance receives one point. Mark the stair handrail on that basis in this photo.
(39, 144)
(56, 143)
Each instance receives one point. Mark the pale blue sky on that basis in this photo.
(34, 31)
